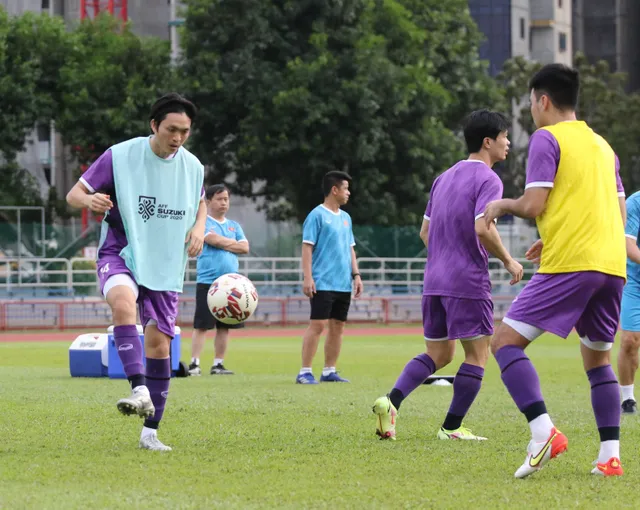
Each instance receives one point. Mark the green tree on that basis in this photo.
(110, 78)
(289, 90)
(604, 105)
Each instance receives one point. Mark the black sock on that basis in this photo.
(137, 380)
(150, 424)
(396, 398)
(609, 433)
(452, 422)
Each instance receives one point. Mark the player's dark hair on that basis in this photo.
(561, 83)
(171, 103)
(483, 124)
(334, 178)
(214, 189)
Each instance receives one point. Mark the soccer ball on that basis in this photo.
(232, 298)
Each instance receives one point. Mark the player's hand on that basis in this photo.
(516, 270)
(195, 241)
(309, 287)
(99, 203)
(357, 287)
(493, 211)
(535, 252)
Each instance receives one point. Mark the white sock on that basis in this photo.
(196, 361)
(218, 361)
(541, 428)
(328, 371)
(306, 370)
(146, 432)
(608, 449)
(627, 392)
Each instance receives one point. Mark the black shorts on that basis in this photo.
(203, 318)
(327, 304)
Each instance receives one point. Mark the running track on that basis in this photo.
(69, 336)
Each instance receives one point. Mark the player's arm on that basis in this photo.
(355, 273)
(308, 285)
(424, 231)
(623, 209)
(490, 238)
(529, 205)
(633, 252)
(195, 236)
(239, 247)
(621, 194)
(80, 197)
(218, 241)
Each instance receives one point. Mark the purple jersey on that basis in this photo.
(544, 158)
(99, 179)
(458, 265)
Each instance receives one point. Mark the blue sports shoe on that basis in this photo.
(306, 379)
(333, 377)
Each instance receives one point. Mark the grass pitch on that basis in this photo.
(257, 440)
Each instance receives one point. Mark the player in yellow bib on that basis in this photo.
(573, 190)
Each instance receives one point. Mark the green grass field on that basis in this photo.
(257, 440)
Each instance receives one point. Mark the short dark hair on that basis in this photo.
(482, 124)
(561, 83)
(214, 189)
(171, 103)
(333, 178)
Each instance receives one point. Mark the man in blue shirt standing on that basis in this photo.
(224, 240)
(630, 312)
(330, 273)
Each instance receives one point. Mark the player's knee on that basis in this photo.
(316, 327)
(124, 311)
(496, 343)
(441, 353)
(630, 340)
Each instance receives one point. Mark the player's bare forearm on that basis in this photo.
(79, 196)
(633, 252)
(201, 216)
(529, 205)
(307, 254)
(354, 262)
(623, 209)
(239, 248)
(218, 241)
(490, 239)
(424, 232)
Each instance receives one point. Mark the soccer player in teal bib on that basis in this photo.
(330, 272)
(630, 312)
(150, 192)
(224, 241)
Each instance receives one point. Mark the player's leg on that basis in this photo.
(158, 312)
(333, 342)
(627, 368)
(121, 293)
(203, 321)
(472, 322)
(628, 354)
(439, 353)
(597, 330)
(320, 311)
(220, 350)
(549, 302)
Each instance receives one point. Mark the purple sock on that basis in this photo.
(130, 352)
(605, 401)
(521, 379)
(158, 379)
(413, 375)
(466, 386)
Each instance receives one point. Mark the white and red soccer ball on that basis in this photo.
(232, 298)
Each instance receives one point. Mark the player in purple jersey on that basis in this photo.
(170, 120)
(456, 297)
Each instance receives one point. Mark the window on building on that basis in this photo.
(562, 41)
(45, 4)
(522, 29)
(559, 4)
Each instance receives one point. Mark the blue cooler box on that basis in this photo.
(88, 356)
(115, 368)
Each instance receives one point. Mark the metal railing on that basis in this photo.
(77, 273)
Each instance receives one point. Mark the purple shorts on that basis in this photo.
(586, 300)
(449, 318)
(153, 305)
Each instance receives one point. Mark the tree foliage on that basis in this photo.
(604, 105)
(289, 90)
